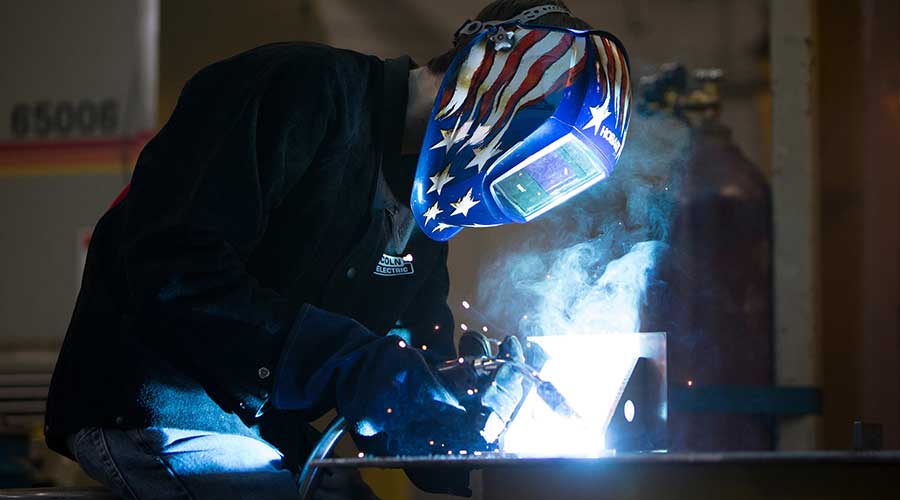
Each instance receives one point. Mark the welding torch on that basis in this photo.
(463, 372)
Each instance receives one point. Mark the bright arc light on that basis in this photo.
(588, 370)
(629, 410)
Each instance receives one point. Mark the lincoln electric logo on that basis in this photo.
(390, 265)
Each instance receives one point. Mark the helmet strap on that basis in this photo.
(472, 27)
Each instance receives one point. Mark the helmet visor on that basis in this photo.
(548, 177)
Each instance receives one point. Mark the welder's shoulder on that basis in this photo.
(301, 64)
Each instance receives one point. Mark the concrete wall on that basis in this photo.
(56, 178)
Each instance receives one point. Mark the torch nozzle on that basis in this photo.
(548, 392)
(555, 400)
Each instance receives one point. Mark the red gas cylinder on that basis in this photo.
(718, 309)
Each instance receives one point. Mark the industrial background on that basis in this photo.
(810, 90)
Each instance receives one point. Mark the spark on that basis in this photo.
(464, 327)
(431, 442)
(470, 392)
(360, 454)
(402, 344)
(690, 383)
(424, 347)
(463, 452)
(408, 257)
(437, 327)
(390, 410)
(484, 329)
(525, 316)
(466, 304)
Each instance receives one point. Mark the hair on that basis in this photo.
(501, 10)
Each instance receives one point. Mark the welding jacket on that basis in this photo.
(269, 196)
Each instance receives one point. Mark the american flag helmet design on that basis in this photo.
(526, 118)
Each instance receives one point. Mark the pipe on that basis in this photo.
(323, 448)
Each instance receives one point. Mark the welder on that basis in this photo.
(281, 252)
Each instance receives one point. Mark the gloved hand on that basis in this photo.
(379, 383)
(500, 393)
(389, 392)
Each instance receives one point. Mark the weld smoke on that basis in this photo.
(586, 267)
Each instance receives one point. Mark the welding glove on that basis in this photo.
(501, 393)
(379, 383)
(389, 392)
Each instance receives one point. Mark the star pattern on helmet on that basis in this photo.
(464, 204)
(451, 136)
(482, 156)
(432, 212)
(439, 180)
(599, 114)
(440, 227)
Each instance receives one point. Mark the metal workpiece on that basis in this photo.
(491, 460)
(672, 476)
(57, 494)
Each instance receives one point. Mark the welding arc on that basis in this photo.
(555, 400)
(548, 392)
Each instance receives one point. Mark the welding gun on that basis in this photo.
(500, 381)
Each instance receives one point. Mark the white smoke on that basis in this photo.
(590, 262)
(587, 272)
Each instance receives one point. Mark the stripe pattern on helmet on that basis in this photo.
(491, 87)
(612, 73)
(485, 107)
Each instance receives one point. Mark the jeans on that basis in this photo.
(170, 464)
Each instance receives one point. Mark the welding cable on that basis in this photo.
(323, 448)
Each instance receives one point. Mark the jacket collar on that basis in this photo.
(398, 169)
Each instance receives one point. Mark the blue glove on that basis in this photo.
(389, 392)
(379, 383)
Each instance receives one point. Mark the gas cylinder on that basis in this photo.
(718, 305)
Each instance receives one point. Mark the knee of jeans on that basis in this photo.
(83, 446)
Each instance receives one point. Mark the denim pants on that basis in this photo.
(170, 464)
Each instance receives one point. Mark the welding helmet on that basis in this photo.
(527, 117)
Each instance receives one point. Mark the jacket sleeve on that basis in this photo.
(428, 318)
(242, 135)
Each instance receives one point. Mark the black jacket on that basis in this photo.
(260, 195)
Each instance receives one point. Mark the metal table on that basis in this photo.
(750, 475)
